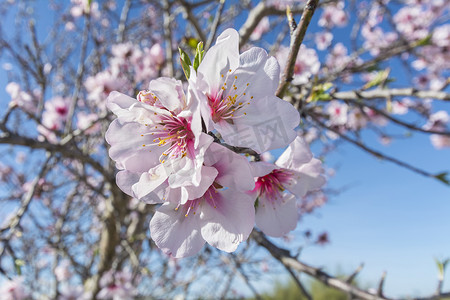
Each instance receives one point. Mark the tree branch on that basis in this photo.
(387, 93)
(296, 41)
(284, 257)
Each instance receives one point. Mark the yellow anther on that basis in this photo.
(143, 145)
(235, 77)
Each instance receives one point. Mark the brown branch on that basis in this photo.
(260, 11)
(381, 285)
(386, 53)
(355, 273)
(168, 37)
(398, 121)
(193, 20)
(374, 152)
(214, 25)
(80, 73)
(296, 41)
(26, 200)
(386, 93)
(299, 283)
(285, 258)
(65, 150)
(123, 20)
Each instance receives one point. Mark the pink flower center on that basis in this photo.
(273, 184)
(337, 110)
(211, 198)
(228, 101)
(61, 110)
(174, 132)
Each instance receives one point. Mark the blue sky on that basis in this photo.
(387, 217)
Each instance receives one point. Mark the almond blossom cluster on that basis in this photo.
(174, 147)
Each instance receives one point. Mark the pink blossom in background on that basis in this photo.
(399, 108)
(84, 7)
(236, 93)
(88, 122)
(262, 27)
(323, 40)
(62, 271)
(223, 215)
(70, 292)
(14, 289)
(337, 112)
(437, 121)
(333, 15)
(376, 39)
(117, 285)
(101, 84)
(413, 22)
(357, 119)
(440, 141)
(338, 59)
(21, 98)
(375, 117)
(295, 171)
(53, 118)
(306, 65)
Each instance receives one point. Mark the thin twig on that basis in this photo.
(296, 41)
(398, 121)
(381, 285)
(193, 20)
(26, 199)
(355, 273)
(285, 258)
(80, 73)
(385, 93)
(374, 152)
(123, 20)
(215, 25)
(168, 37)
(69, 152)
(299, 283)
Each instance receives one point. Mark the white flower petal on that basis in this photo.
(277, 218)
(175, 234)
(230, 223)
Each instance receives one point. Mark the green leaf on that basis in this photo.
(192, 42)
(319, 92)
(441, 266)
(185, 63)
(443, 178)
(380, 78)
(198, 55)
(18, 264)
(425, 41)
